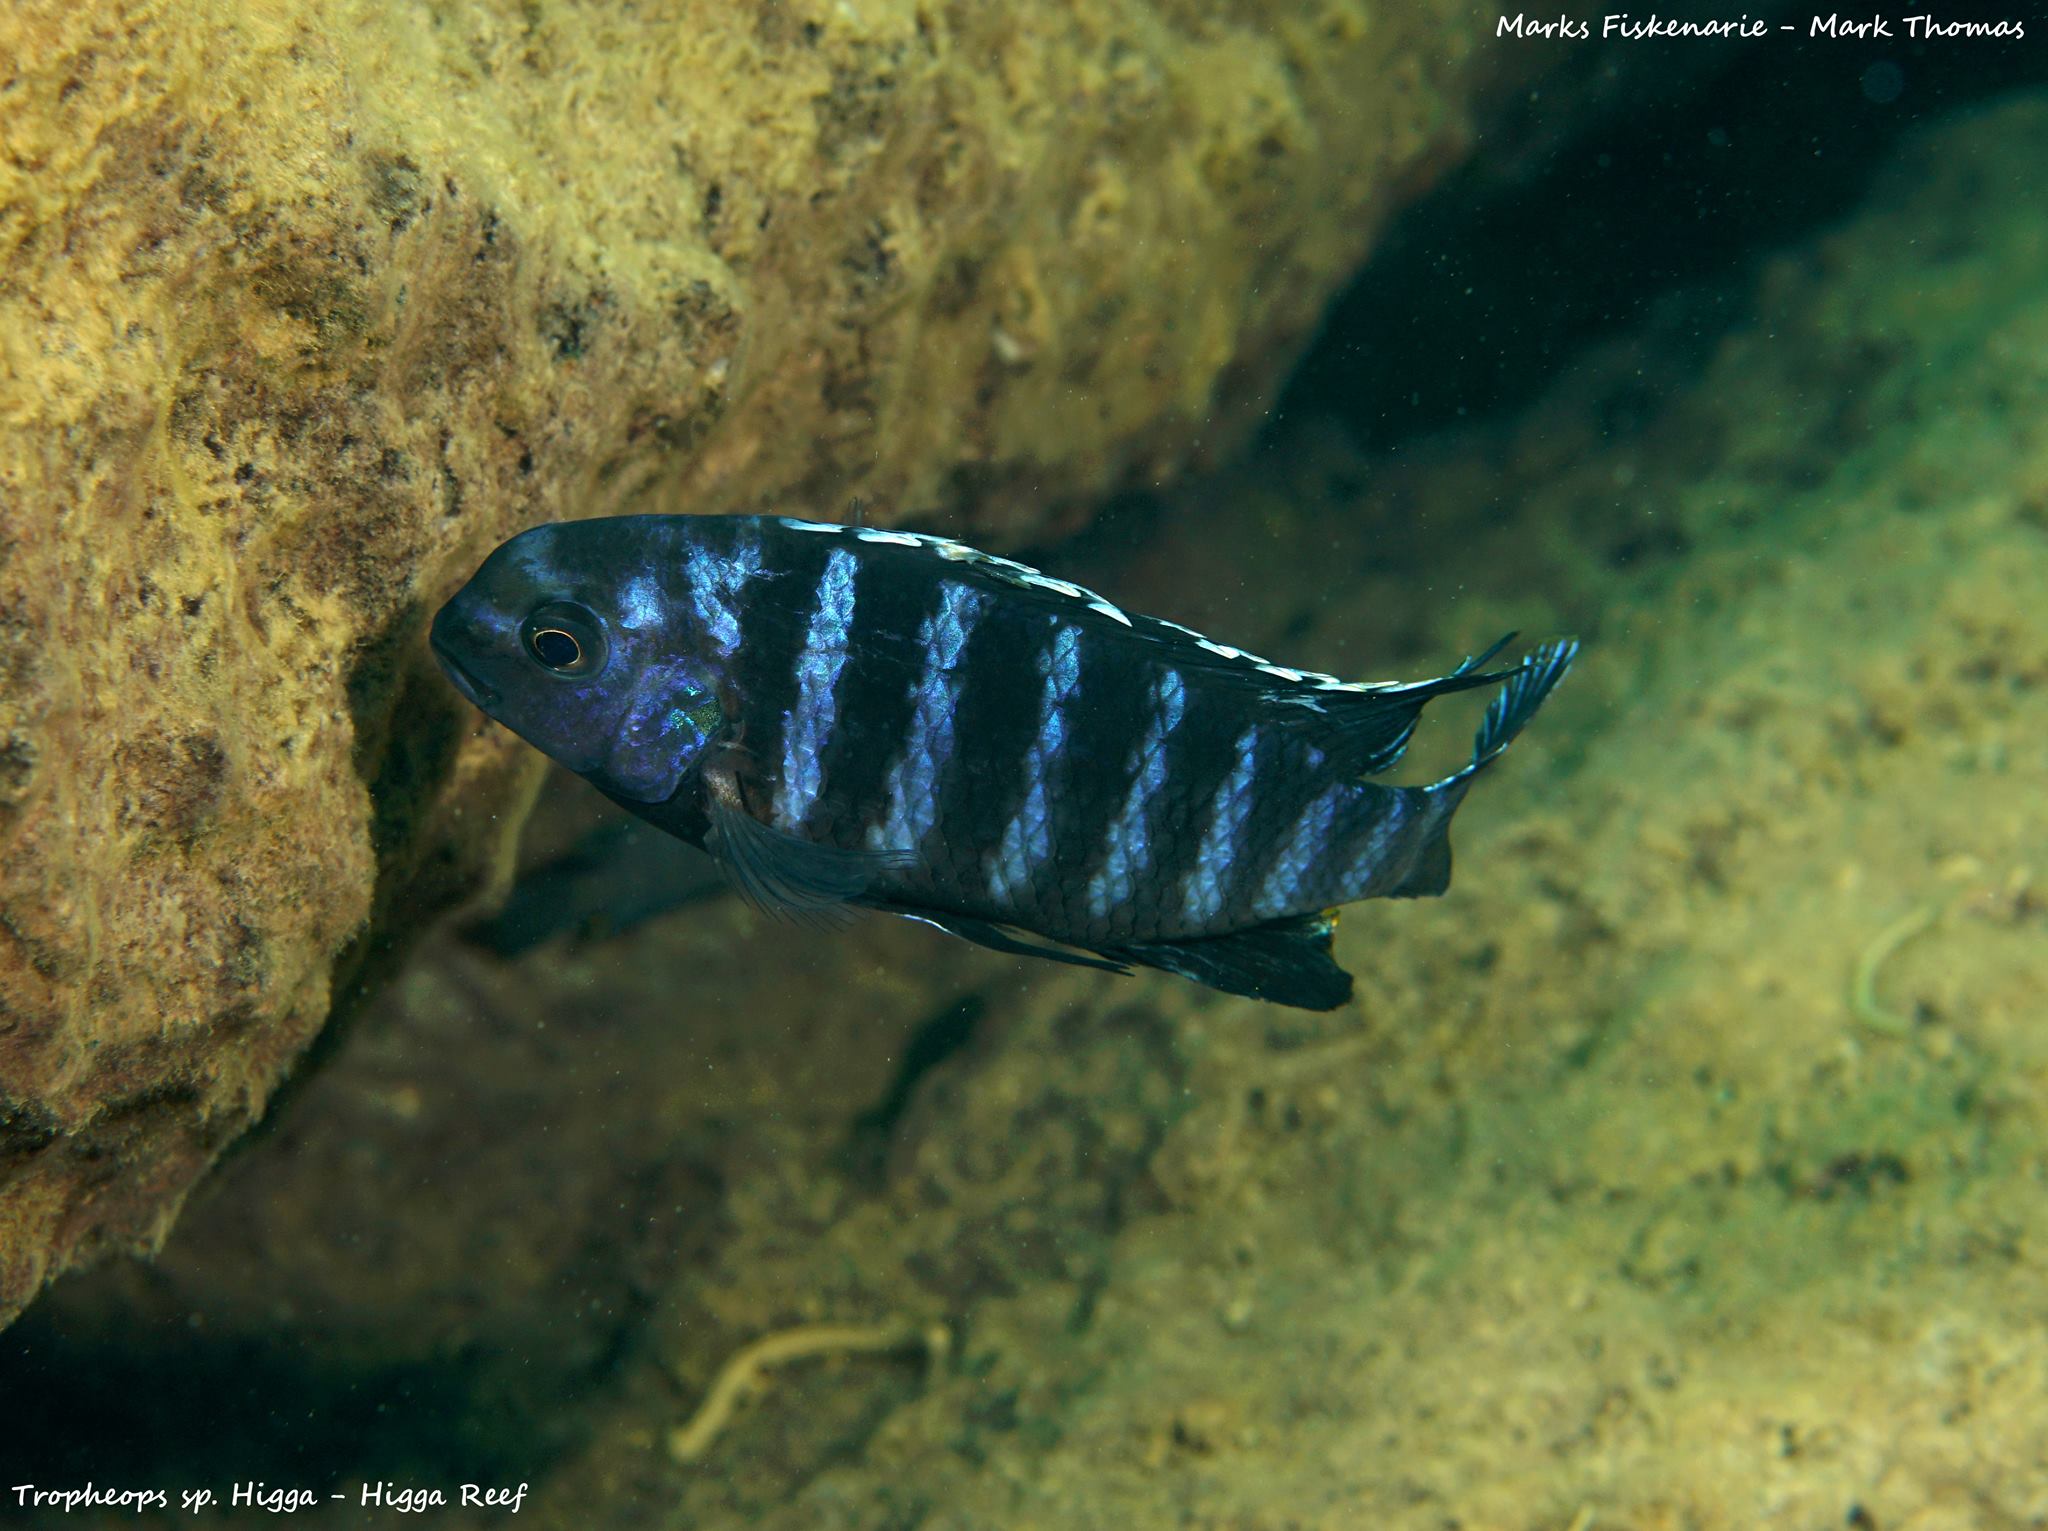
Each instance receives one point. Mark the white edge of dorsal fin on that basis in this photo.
(1104, 608)
(1057, 586)
(1313, 680)
(1011, 570)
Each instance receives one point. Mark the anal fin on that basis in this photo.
(1284, 962)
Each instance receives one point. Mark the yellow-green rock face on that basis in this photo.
(304, 307)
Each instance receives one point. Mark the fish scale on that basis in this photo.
(851, 717)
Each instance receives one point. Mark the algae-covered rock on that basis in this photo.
(304, 307)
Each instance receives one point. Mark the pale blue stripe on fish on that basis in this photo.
(817, 678)
(1287, 882)
(1371, 862)
(1127, 848)
(913, 780)
(1027, 838)
(1204, 890)
(715, 583)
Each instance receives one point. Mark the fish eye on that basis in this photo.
(564, 638)
(557, 649)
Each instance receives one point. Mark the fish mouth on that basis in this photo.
(476, 691)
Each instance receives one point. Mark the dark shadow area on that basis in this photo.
(615, 878)
(166, 1403)
(1481, 293)
(865, 1156)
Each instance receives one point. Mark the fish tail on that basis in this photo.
(1512, 708)
(1516, 703)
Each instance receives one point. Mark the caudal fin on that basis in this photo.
(1516, 702)
(1506, 717)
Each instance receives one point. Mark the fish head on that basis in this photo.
(565, 636)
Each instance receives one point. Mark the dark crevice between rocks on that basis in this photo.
(408, 728)
(1657, 217)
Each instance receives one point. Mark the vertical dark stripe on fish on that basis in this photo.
(774, 616)
(1200, 755)
(1287, 883)
(1105, 723)
(877, 690)
(1208, 882)
(993, 730)
(907, 797)
(1129, 809)
(1293, 774)
(1026, 844)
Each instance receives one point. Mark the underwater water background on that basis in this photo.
(1683, 1167)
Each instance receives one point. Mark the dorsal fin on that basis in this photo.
(1361, 726)
(1365, 732)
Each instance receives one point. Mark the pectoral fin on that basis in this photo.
(782, 874)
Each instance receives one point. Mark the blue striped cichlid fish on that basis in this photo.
(849, 717)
